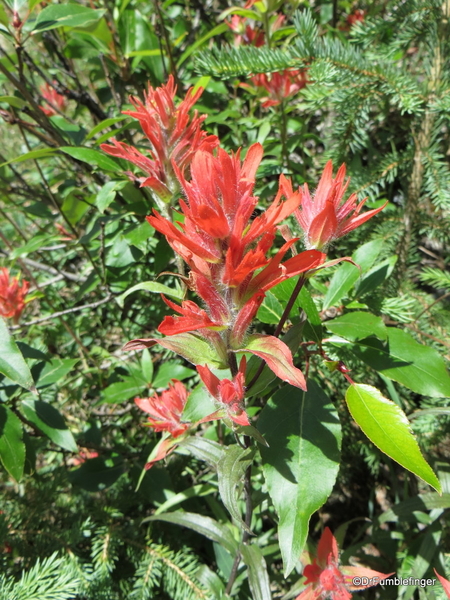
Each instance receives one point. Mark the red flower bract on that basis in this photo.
(12, 295)
(325, 216)
(174, 137)
(280, 85)
(165, 409)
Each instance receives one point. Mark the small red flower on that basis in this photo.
(246, 33)
(326, 217)
(12, 295)
(326, 580)
(165, 409)
(357, 16)
(229, 393)
(173, 135)
(53, 100)
(279, 85)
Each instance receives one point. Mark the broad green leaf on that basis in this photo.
(188, 345)
(120, 254)
(170, 370)
(301, 463)
(104, 124)
(12, 363)
(417, 367)
(50, 421)
(199, 405)
(55, 370)
(139, 235)
(231, 470)
(404, 511)
(204, 526)
(74, 209)
(92, 157)
(34, 154)
(357, 326)
(150, 286)
(13, 101)
(12, 447)
(97, 474)
(429, 547)
(270, 311)
(35, 243)
(386, 425)
(66, 15)
(121, 391)
(147, 366)
(258, 578)
(196, 491)
(347, 275)
(235, 10)
(203, 448)
(107, 194)
(375, 277)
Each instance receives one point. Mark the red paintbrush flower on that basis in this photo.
(325, 216)
(53, 100)
(280, 86)
(445, 583)
(228, 393)
(325, 579)
(12, 295)
(174, 137)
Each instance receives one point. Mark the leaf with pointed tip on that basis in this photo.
(230, 470)
(277, 356)
(387, 426)
(357, 326)
(258, 578)
(189, 346)
(50, 421)
(302, 461)
(12, 363)
(203, 448)
(204, 526)
(150, 286)
(12, 447)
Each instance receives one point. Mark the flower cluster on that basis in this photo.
(12, 295)
(324, 217)
(54, 102)
(174, 137)
(280, 86)
(230, 267)
(326, 579)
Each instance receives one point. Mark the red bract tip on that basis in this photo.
(326, 216)
(12, 295)
(53, 100)
(280, 86)
(165, 409)
(174, 137)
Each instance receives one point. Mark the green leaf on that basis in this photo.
(150, 286)
(347, 275)
(258, 578)
(34, 154)
(147, 366)
(386, 425)
(204, 449)
(204, 525)
(375, 277)
(122, 391)
(13, 101)
(417, 367)
(107, 194)
(301, 463)
(12, 447)
(170, 370)
(49, 420)
(215, 31)
(97, 474)
(358, 325)
(92, 157)
(35, 243)
(199, 405)
(12, 363)
(66, 15)
(404, 511)
(231, 470)
(104, 124)
(55, 370)
(270, 311)
(196, 491)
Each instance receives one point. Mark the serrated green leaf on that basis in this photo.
(204, 525)
(12, 447)
(301, 463)
(386, 425)
(12, 363)
(357, 326)
(230, 470)
(150, 286)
